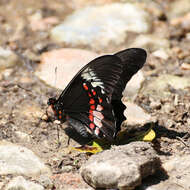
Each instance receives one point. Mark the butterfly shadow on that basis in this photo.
(171, 134)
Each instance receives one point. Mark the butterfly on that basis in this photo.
(91, 103)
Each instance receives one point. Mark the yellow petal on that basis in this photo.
(150, 136)
(95, 148)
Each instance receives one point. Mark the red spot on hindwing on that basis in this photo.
(99, 108)
(92, 107)
(91, 117)
(92, 125)
(100, 100)
(85, 86)
(91, 101)
(97, 131)
(93, 92)
(89, 95)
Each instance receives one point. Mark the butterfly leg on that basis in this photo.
(68, 141)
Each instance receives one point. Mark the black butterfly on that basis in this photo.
(91, 102)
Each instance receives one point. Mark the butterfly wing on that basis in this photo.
(133, 60)
(103, 71)
(93, 97)
(99, 116)
(87, 98)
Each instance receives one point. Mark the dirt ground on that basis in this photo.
(24, 97)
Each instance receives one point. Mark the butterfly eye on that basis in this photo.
(51, 101)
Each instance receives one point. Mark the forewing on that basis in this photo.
(133, 60)
(103, 72)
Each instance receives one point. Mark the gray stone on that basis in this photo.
(20, 160)
(67, 168)
(19, 183)
(151, 41)
(121, 167)
(68, 62)
(133, 86)
(161, 53)
(136, 116)
(99, 26)
(45, 181)
(178, 171)
(23, 137)
(166, 185)
(143, 154)
(178, 8)
(137, 124)
(8, 59)
(158, 87)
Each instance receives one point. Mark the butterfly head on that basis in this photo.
(54, 111)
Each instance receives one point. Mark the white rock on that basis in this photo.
(7, 58)
(136, 116)
(24, 137)
(178, 171)
(158, 87)
(178, 8)
(121, 167)
(20, 183)
(68, 62)
(133, 86)
(165, 185)
(150, 41)
(160, 53)
(98, 26)
(46, 181)
(20, 160)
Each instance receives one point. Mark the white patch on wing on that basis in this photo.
(107, 99)
(98, 115)
(99, 108)
(97, 131)
(86, 75)
(100, 84)
(97, 122)
(89, 75)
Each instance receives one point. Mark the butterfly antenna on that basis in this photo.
(68, 142)
(55, 76)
